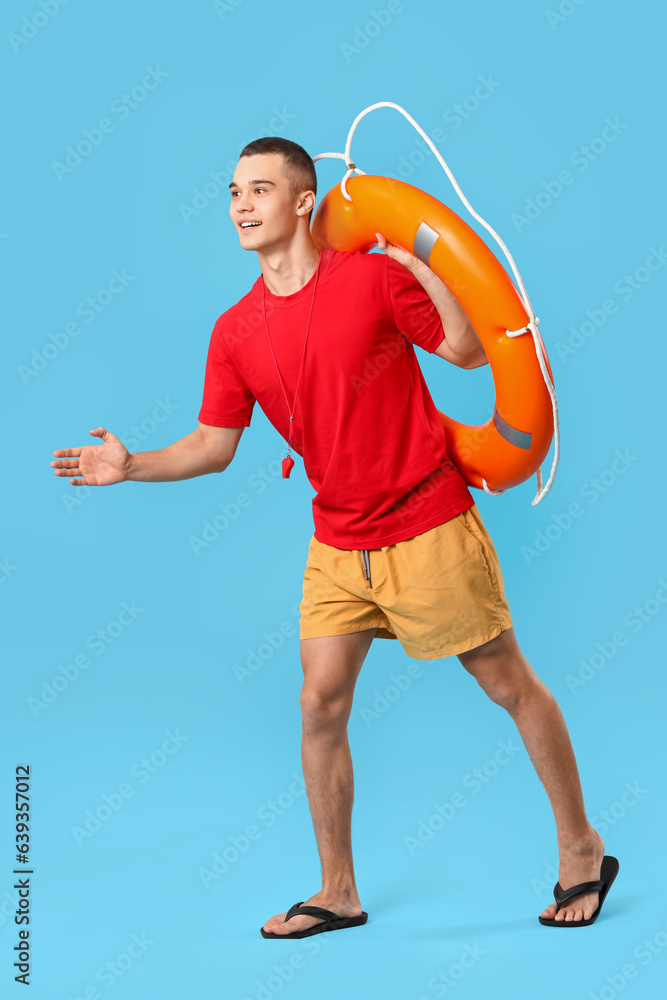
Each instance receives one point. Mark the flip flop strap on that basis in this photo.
(311, 911)
(562, 895)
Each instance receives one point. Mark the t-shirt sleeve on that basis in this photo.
(227, 400)
(413, 311)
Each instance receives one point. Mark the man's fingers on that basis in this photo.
(79, 482)
(71, 463)
(67, 452)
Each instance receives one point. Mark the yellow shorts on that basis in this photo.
(439, 593)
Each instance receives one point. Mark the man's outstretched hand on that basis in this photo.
(95, 465)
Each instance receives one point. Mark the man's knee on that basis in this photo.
(500, 669)
(505, 690)
(323, 710)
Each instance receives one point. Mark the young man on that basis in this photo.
(324, 341)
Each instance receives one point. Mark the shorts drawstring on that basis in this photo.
(367, 565)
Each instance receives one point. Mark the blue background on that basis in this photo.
(73, 556)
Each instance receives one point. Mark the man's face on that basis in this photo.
(260, 194)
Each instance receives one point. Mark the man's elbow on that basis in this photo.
(477, 361)
(219, 464)
(477, 356)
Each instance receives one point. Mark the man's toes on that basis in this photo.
(301, 922)
(284, 928)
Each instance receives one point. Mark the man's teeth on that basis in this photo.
(247, 225)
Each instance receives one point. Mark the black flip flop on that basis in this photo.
(608, 872)
(331, 922)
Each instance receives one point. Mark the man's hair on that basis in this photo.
(297, 167)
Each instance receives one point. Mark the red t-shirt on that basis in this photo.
(365, 424)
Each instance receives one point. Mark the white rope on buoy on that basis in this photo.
(530, 327)
(492, 493)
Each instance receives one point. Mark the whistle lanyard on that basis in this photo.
(288, 461)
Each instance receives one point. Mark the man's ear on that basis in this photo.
(305, 203)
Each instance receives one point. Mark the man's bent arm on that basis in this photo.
(461, 345)
(207, 449)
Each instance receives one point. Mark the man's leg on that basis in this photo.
(331, 665)
(503, 672)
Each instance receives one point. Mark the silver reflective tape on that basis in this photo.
(424, 242)
(520, 439)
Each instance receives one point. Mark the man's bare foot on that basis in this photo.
(578, 862)
(345, 904)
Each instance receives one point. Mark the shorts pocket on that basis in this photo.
(471, 525)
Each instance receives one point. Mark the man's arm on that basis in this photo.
(206, 449)
(460, 344)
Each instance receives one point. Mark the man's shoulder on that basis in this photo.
(358, 260)
(356, 267)
(238, 312)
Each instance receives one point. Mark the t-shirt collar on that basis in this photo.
(302, 293)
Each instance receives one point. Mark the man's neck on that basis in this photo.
(287, 270)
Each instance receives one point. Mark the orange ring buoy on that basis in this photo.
(512, 445)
